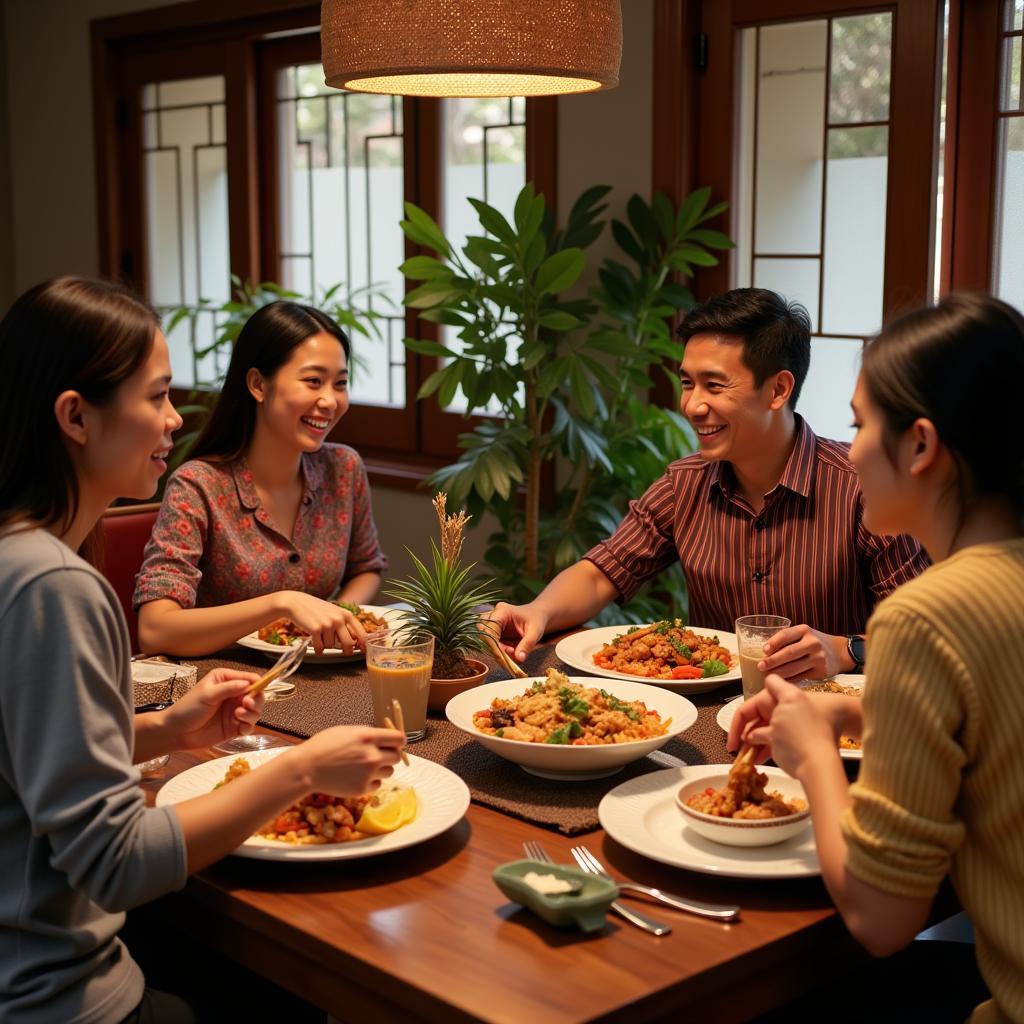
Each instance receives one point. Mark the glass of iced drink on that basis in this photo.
(400, 671)
(752, 632)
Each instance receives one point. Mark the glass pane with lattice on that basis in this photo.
(341, 173)
(860, 68)
(484, 145)
(1008, 277)
(184, 161)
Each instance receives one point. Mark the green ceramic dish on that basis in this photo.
(586, 909)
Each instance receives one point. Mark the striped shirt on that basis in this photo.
(805, 555)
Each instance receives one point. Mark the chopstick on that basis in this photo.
(396, 710)
(264, 681)
(502, 658)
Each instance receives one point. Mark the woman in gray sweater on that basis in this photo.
(85, 418)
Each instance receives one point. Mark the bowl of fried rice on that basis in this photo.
(571, 727)
(743, 804)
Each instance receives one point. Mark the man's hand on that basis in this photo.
(521, 626)
(799, 652)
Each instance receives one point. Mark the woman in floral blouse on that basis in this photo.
(266, 520)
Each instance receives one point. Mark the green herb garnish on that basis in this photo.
(349, 607)
(680, 647)
(616, 705)
(714, 667)
(573, 705)
(565, 733)
(499, 733)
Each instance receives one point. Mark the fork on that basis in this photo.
(649, 924)
(717, 911)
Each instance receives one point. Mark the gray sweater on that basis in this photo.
(77, 844)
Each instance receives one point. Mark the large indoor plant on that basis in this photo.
(576, 394)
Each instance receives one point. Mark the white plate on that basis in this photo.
(330, 654)
(579, 649)
(642, 815)
(726, 711)
(443, 799)
(567, 762)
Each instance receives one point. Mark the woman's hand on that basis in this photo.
(350, 760)
(328, 624)
(795, 729)
(525, 623)
(215, 709)
(799, 652)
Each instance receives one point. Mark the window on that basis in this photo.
(221, 152)
(845, 170)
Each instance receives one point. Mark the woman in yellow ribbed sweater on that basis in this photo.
(940, 455)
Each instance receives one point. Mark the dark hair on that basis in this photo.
(65, 334)
(945, 363)
(775, 334)
(265, 342)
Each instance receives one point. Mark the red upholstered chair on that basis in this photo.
(125, 533)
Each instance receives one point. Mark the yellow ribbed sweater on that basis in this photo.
(941, 787)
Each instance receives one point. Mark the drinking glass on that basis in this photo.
(400, 671)
(752, 631)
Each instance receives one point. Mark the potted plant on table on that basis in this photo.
(442, 604)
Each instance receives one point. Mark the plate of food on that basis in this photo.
(689, 659)
(273, 637)
(566, 727)
(850, 685)
(421, 800)
(642, 814)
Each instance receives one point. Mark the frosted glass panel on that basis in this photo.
(1013, 14)
(343, 187)
(1011, 73)
(825, 398)
(186, 198)
(861, 58)
(795, 279)
(485, 157)
(790, 112)
(855, 231)
(1009, 261)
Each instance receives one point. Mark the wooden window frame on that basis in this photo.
(246, 41)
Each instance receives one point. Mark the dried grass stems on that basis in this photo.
(453, 527)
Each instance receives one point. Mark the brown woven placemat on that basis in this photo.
(339, 694)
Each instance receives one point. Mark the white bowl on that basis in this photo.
(744, 831)
(555, 761)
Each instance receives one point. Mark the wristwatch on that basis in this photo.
(857, 650)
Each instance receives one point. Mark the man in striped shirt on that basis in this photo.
(766, 518)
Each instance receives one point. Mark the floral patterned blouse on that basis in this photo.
(213, 542)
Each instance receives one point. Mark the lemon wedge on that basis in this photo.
(390, 811)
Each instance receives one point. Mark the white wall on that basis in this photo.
(603, 139)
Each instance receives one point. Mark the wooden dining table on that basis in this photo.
(423, 933)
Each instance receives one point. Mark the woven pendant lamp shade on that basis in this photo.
(471, 47)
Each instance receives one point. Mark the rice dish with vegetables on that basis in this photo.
(665, 650)
(745, 797)
(555, 710)
(831, 686)
(319, 818)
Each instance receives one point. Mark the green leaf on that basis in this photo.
(479, 255)
(714, 239)
(428, 348)
(493, 221)
(694, 254)
(691, 209)
(581, 390)
(714, 667)
(423, 268)
(560, 271)
(534, 254)
(432, 293)
(427, 227)
(624, 237)
(434, 381)
(557, 320)
(664, 216)
(642, 221)
(450, 384)
(445, 316)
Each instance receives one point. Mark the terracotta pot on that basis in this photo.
(442, 690)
